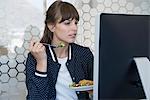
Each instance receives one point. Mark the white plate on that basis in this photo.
(82, 88)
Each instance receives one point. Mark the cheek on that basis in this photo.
(60, 35)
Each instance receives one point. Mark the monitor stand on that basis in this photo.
(143, 66)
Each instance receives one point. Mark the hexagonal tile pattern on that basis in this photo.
(92, 21)
(28, 28)
(122, 2)
(86, 8)
(20, 58)
(100, 7)
(26, 44)
(107, 10)
(115, 7)
(19, 50)
(21, 67)
(12, 55)
(4, 68)
(86, 25)
(27, 36)
(26, 53)
(80, 22)
(87, 42)
(35, 31)
(130, 6)
(107, 3)
(4, 78)
(87, 34)
(12, 72)
(12, 82)
(122, 10)
(80, 30)
(3, 59)
(93, 12)
(79, 39)
(12, 63)
(36, 38)
(137, 10)
(92, 29)
(86, 16)
(21, 77)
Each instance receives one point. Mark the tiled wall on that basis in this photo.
(20, 20)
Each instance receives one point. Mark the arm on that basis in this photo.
(89, 62)
(37, 86)
(36, 68)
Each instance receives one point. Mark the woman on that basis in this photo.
(50, 69)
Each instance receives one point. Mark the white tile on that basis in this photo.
(20, 67)
(12, 72)
(3, 59)
(4, 78)
(12, 63)
(4, 68)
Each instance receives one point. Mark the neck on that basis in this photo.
(61, 52)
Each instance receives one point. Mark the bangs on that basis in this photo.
(68, 11)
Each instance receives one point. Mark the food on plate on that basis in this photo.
(82, 83)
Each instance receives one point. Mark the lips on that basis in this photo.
(72, 35)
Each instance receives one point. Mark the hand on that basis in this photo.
(39, 52)
(90, 92)
(85, 82)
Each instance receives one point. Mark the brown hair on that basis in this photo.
(58, 10)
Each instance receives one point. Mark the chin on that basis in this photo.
(71, 41)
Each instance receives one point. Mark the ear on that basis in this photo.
(51, 27)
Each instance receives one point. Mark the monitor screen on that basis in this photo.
(120, 38)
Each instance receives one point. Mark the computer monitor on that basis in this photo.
(120, 38)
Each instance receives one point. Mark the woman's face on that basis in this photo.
(65, 31)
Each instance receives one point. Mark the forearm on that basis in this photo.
(36, 85)
(41, 66)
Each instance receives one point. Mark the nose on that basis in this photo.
(74, 26)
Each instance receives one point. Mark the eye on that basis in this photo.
(76, 22)
(67, 22)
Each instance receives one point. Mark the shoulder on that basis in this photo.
(80, 49)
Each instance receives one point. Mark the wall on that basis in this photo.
(20, 20)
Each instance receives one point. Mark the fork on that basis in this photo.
(54, 46)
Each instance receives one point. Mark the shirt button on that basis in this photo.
(73, 78)
(67, 64)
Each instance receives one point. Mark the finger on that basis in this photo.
(38, 47)
(31, 44)
(36, 44)
(41, 47)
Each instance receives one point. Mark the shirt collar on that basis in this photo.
(53, 53)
